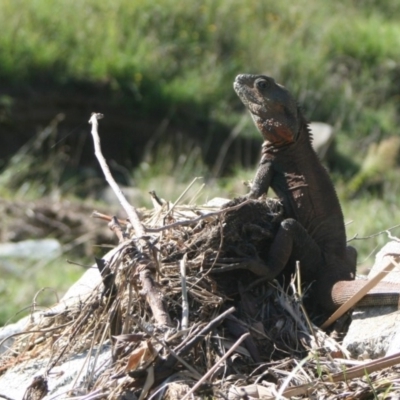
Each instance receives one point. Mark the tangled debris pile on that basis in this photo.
(212, 309)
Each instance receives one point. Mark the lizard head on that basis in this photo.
(272, 107)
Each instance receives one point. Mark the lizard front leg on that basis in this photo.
(260, 185)
(261, 181)
(291, 240)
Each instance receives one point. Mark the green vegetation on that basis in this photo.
(31, 286)
(341, 59)
(378, 167)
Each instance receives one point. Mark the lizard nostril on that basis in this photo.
(244, 79)
(239, 78)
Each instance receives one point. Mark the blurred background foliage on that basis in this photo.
(170, 64)
(340, 58)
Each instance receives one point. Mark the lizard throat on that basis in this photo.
(275, 133)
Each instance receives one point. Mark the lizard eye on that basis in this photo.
(262, 83)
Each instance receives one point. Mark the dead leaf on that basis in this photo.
(142, 356)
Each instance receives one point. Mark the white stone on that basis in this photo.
(375, 331)
(323, 135)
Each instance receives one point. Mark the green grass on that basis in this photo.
(366, 217)
(31, 285)
(341, 58)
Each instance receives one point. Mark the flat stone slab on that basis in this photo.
(72, 376)
(375, 331)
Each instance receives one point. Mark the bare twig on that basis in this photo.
(173, 354)
(35, 331)
(149, 382)
(146, 268)
(117, 229)
(291, 376)
(195, 220)
(182, 350)
(346, 375)
(130, 210)
(216, 365)
(105, 217)
(95, 395)
(186, 345)
(389, 263)
(391, 237)
(355, 237)
(181, 196)
(157, 202)
(185, 302)
(196, 194)
(93, 363)
(153, 296)
(108, 218)
(367, 368)
(299, 298)
(3, 396)
(125, 327)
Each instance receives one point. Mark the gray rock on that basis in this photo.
(13, 255)
(31, 249)
(323, 135)
(71, 375)
(7, 332)
(375, 331)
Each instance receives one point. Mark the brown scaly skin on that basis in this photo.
(314, 231)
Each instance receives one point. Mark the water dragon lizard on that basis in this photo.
(313, 232)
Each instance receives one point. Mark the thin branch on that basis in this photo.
(195, 220)
(3, 396)
(185, 302)
(391, 237)
(292, 374)
(355, 237)
(216, 365)
(182, 350)
(173, 354)
(35, 331)
(187, 222)
(367, 368)
(181, 196)
(130, 210)
(117, 229)
(153, 294)
(389, 262)
(346, 375)
(108, 218)
(148, 383)
(146, 268)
